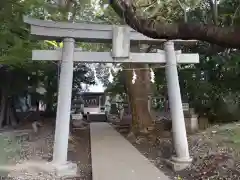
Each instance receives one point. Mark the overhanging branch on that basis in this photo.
(222, 36)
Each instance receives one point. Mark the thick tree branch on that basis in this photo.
(222, 36)
(147, 4)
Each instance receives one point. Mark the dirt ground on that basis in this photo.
(39, 146)
(82, 153)
(215, 152)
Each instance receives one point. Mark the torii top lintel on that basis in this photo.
(97, 33)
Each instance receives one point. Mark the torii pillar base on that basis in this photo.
(177, 164)
(68, 169)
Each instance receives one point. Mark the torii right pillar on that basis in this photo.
(182, 158)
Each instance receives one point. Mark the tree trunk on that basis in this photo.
(9, 115)
(49, 99)
(3, 107)
(27, 102)
(222, 36)
(14, 118)
(49, 106)
(138, 97)
(37, 106)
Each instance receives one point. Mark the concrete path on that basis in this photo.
(115, 158)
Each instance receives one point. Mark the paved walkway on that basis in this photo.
(114, 158)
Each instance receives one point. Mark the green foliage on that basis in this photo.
(211, 86)
(19, 74)
(118, 84)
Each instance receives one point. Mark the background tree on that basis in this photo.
(21, 76)
(210, 86)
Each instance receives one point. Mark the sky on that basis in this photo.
(97, 87)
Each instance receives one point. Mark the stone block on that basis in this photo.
(120, 42)
(203, 123)
(191, 123)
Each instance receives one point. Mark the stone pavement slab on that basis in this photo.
(115, 158)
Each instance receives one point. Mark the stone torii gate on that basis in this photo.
(120, 36)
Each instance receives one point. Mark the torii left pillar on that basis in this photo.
(63, 110)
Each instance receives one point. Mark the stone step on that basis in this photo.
(97, 118)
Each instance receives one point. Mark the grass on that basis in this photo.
(9, 150)
(235, 136)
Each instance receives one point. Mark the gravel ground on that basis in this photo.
(82, 153)
(215, 152)
(38, 148)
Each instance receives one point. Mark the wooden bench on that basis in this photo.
(115, 158)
